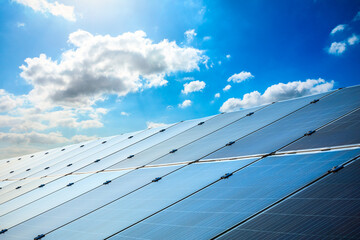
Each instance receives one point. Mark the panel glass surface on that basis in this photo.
(182, 139)
(345, 131)
(78, 161)
(56, 198)
(46, 167)
(328, 209)
(147, 143)
(283, 132)
(145, 201)
(234, 131)
(88, 202)
(29, 162)
(229, 201)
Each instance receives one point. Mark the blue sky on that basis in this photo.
(74, 70)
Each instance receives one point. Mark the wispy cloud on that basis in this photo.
(240, 77)
(20, 24)
(354, 39)
(155, 124)
(190, 34)
(278, 92)
(337, 48)
(338, 28)
(185, 104)
(55, 8)
(227, 88)
(194, 86)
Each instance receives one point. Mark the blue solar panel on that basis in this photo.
(229, 201)
(145, 201)
(328, 209)
(288, 129)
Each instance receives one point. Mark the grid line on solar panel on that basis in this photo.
(301, 103)
(295, 125)
(35, 186)
(156, 130)
(197, 205)
(326, 209)
(344, 131)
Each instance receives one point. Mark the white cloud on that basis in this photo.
(125, 114)
(20, 24)
(217, 95)
(55, 8)
(100, 65)
(188, 79)
(338, 28)
(227, 88)
(190, 34)
(8, 101)
(206, 38)
(354, 39)
(155, 125)
(194, 86)
(337, 48)
(33, 137)
(278, 92)
(240, 77)
(228, 56)
(185, 104)
(82, 138)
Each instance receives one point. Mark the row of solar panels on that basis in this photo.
(101, 188)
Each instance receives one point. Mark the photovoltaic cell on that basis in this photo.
(345, 131)
(145, 201)
(236, 130)
(229, 201)
(140, 146)
(182, 139)
(328, 209)
(87, 202)
(294, 126)
(52, 200)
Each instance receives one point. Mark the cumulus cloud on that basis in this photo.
(217, 95)
(227, 88)
(33, 137)
(82, 138)
(338, 28)
(194, 86)
(240, 77)
(190, 34)
(155, 124)
(55, 8)
(354, 39)
(185, 104)
(100, 65)
(8, 101)
(337, 48)
(278, 92)
(228, 56)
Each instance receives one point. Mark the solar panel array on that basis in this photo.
(283, 170)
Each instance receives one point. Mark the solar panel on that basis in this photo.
(274, 172)
(288, 129)
(229, 201)
(145, 201)
(345, 131)
(180, 140)
(88, 202)
(328, 209)
(236, 130)
(58, 197)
